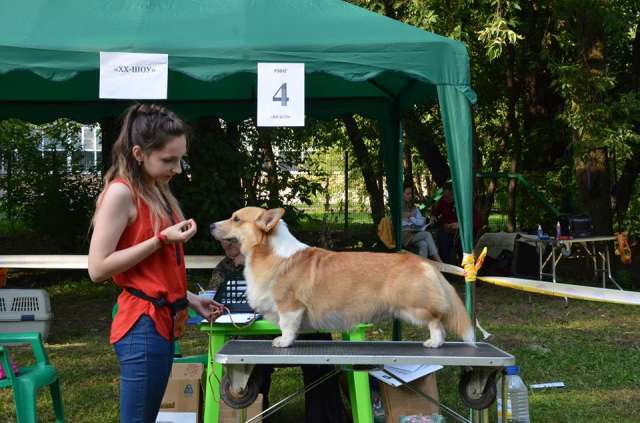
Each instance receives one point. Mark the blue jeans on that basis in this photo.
(145, 360)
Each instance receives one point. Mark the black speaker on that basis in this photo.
(576, 225)
(525, 260)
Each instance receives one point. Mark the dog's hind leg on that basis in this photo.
(437, 334)
(289, 322)
(422, 316)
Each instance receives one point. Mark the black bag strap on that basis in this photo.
(175, 307)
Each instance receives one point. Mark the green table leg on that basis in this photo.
(214, 375)
(359, 391)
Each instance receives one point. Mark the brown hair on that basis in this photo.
(412, 201)
(150, 127)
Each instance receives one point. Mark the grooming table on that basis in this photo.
(221, 334)
(483, 358)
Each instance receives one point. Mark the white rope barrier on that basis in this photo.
(555, 289)
(36, 261)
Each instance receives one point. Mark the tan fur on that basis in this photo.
(322, 289)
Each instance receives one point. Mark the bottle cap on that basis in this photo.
(512, 370)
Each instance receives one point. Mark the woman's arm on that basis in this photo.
(112, 217)
(204, 306)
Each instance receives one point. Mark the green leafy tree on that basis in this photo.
(46, 188)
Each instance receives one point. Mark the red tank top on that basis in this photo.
(158, 276)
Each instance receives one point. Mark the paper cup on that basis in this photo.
(208, 294)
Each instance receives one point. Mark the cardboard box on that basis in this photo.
(182, 398)
(403, 402)
(230, 415)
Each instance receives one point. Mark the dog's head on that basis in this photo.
(249, 226)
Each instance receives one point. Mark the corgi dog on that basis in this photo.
(302, 287)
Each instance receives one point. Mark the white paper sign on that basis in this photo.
(176, 417)
(137, 76)
(406, 373)
(280, 94)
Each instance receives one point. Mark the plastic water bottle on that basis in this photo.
(558, 230)
(517, 410)
(540, 233)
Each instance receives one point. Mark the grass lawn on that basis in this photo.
(593, 348)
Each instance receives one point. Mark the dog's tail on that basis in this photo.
(457, 320)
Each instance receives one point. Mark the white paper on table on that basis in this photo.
(176, 417)
(238, 318)
(404, 368)
(404, 375)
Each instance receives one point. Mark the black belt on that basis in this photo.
(175, 307)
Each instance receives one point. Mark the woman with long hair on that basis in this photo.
(138, 236)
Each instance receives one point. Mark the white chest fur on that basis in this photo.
(283, 243)
(258, 294)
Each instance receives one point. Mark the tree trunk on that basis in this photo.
(540, 101)
(408, 166)
(594, 189)
(516, 142)
(372, 179)
(484, 202)
(592, 169)
(271, 167)
(418, 135)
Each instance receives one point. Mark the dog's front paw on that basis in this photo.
(430, 343)
(281, 342)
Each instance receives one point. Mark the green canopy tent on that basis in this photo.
(355, 61)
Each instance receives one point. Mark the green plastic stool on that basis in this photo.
(30, 379)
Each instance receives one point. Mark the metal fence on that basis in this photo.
(343, 201)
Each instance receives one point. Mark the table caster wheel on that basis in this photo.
(477, 389)
(241, 399)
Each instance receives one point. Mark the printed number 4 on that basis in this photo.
(283, 99)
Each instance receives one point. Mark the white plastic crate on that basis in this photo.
(25, 310)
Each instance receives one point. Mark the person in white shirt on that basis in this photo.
(413, 228)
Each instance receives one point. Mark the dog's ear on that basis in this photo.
(269, 219)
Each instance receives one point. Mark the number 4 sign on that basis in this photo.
(280, 94)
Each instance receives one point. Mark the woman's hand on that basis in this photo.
(180, 232)
(205, 307)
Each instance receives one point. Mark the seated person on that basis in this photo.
(232, 263)
(323, 404)
(444, 213)
(413, 232)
